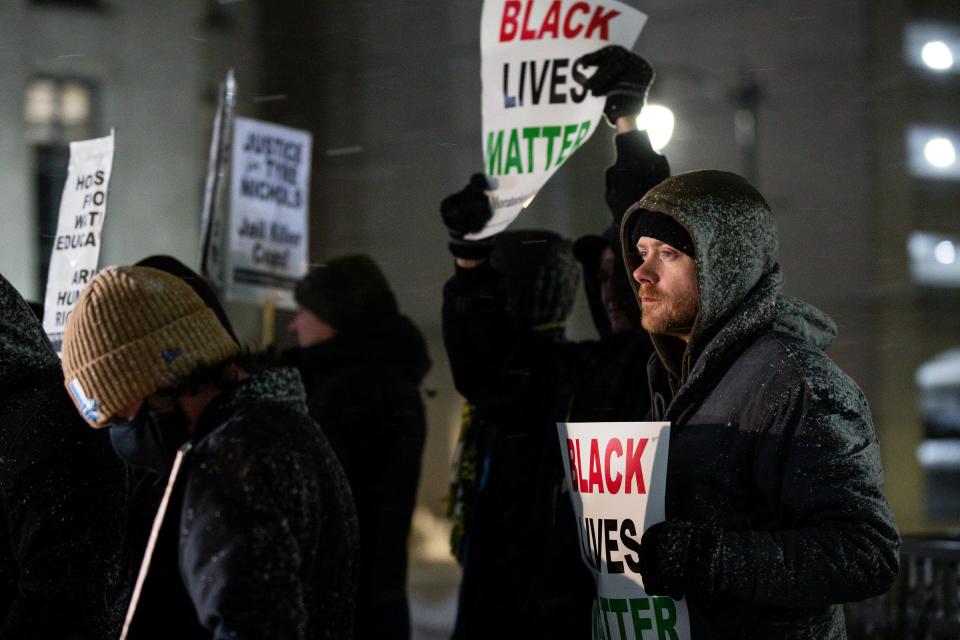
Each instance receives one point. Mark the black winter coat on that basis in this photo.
(522, 571)
(61, 497)
(363, 389)
(262, 530)
(772, 449)
(523, 574)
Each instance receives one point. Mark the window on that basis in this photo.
(932, 152)
(934, 259)
(933, 47)
(56, 111)
(938, 381)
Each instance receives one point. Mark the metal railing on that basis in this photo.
(924, 602)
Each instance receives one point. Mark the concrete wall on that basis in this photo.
(154, 64)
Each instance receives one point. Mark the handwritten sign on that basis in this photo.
(76, 249)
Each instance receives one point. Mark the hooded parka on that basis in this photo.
(523, 574)
(363, 389)
(62, 513)
(774, 499)
(260, 537)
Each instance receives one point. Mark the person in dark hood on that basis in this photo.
(363, 363)
(61, 497)
(529, 380)
(504, 534)
(260, 511)
(774, 499)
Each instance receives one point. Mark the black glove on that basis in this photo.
(467, 211)
(622, 76)
(679, 558)
(638, 169)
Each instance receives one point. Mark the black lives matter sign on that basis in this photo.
(535, 114)
(76, 248)
(616, 474)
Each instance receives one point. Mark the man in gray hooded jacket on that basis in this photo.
(775, 506)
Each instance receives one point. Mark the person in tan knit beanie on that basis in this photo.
(259, 538)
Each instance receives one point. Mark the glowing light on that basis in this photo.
(937, 55)
(940, 153)
(658, 122)
(945, 252)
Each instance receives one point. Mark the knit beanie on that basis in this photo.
(347, 292)
(663, 228)
(200, 285)
(540, 273)
(133, 331)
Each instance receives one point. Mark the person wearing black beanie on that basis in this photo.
(775, 508)
(363, 362)
(349, 293)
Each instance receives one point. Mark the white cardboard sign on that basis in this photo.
(535, 115)
(270, 176)
(616, 473)
(76, 249)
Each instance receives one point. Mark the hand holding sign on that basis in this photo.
(672, 557)
(535, 116)
(616, 473)
(467, 211)
(622, 76)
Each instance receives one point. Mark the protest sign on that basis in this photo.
(270, 172)
(616, 473)
(76, 249)
(535, 115)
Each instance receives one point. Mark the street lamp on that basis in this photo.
(940, 153)
(937, 55)
(657, 120)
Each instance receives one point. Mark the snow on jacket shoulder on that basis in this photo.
(772, 444)
(267, 526)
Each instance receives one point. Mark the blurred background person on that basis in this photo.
(363, 362)
(516, 556)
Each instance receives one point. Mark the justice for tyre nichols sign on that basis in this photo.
(535, 115)
(270, 174)
(617, 473)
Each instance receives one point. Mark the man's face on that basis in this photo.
(309, 328)
(668, 289)
(610, 270)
